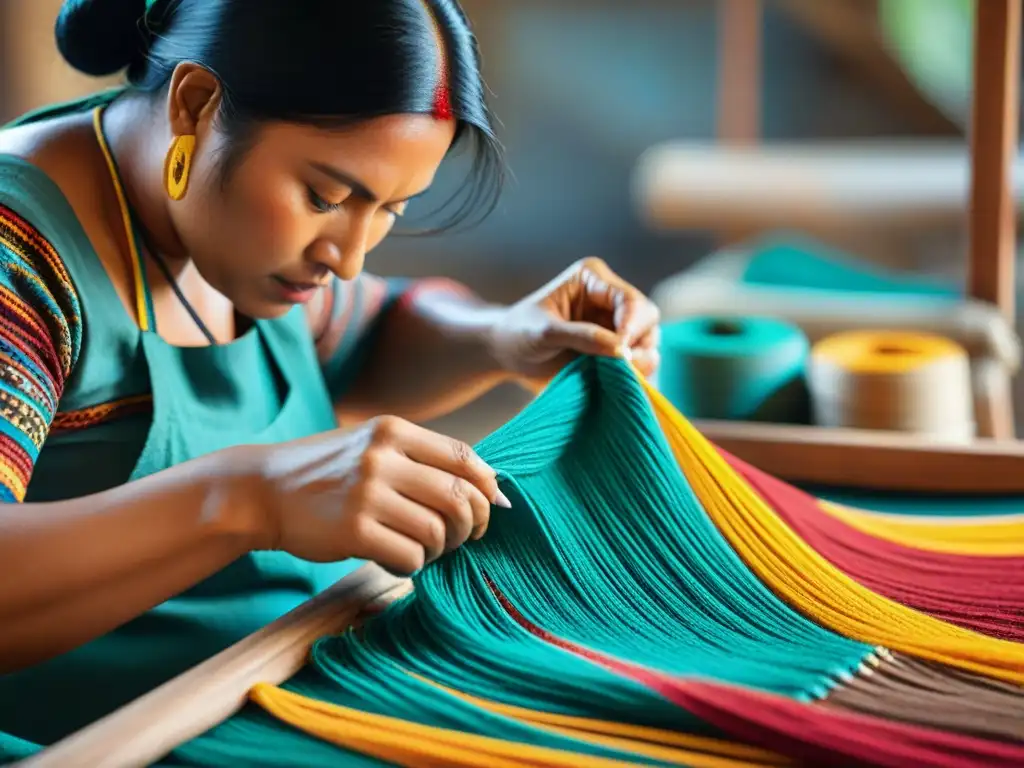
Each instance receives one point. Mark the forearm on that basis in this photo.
(433, 355)
(77, 569)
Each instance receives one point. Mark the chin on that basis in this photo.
(261, 307)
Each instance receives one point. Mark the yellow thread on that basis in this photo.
(140, 287)
(892, 380)
(411, 743)
(995, 536)
(806, 580)
(884, 351)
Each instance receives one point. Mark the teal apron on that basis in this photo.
(265, 387)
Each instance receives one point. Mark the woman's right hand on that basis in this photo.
(388, 491)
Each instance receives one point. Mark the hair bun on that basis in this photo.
(100, 37)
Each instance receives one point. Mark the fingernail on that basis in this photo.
(501, 500)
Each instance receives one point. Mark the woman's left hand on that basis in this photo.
(587, 310)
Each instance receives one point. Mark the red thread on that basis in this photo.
(985, 594)
(811, 733)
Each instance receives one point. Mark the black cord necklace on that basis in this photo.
(181, 296)
(139, 234)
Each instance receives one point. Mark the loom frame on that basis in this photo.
(877, 459)
(144, 731)
(186, 706)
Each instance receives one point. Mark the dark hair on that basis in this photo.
(321, 62)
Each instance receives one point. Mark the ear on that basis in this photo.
(193, 98)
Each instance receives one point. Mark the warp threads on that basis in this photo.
(645, 602)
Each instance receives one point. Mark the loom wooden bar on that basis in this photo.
(739, 71)
(739, 79)
(995, 112)
(147, 729)
(898, 184)
(873, 460)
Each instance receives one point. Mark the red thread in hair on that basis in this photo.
(442, 102)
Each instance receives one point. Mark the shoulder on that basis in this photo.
(54, 174)
(60, 161)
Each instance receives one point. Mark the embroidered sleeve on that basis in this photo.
(354, 311)
(40, 339)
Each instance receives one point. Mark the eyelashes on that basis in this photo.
(320, 205)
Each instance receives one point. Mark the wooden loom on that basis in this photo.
(145, 730)
(680, 188)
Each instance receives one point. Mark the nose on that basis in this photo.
(342, 250)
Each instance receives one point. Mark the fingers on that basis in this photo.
(636, 317)
(582, 338)
(393, 551)
(421, 524)
(449, 455)
(440, 474)
(645, 353)
(633, 314)
(462, 505)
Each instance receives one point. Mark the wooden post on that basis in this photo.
(994, 129)
(739, 79)
(739, 71)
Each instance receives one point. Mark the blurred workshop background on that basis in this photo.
(661, 134)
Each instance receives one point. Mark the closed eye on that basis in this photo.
(320, 204)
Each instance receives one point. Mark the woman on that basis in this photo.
(186, 320)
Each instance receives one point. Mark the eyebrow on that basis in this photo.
(357, 186)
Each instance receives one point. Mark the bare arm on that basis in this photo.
(431, 358)
(429, 353)
(77, 569)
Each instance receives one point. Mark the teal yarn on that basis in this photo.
(800, 262)
(606, 546)
(744, 368)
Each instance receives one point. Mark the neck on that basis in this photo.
(139, 141)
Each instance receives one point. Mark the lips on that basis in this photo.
(298, 286)
(297, 293)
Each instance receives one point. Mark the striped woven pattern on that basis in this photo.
(40, 339)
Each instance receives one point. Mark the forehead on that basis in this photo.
(392, 146)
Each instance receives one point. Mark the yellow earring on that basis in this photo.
(178, 165)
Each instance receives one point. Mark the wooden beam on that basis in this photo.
(142, 732)
(872, 460)
(993, 152)
(739, 71)
(905, 184)
(995, 113)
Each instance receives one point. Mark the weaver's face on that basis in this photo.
(303, 203)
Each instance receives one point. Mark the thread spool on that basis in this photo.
(894, 381)
(739, 368)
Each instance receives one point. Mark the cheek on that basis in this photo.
(271, 220)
